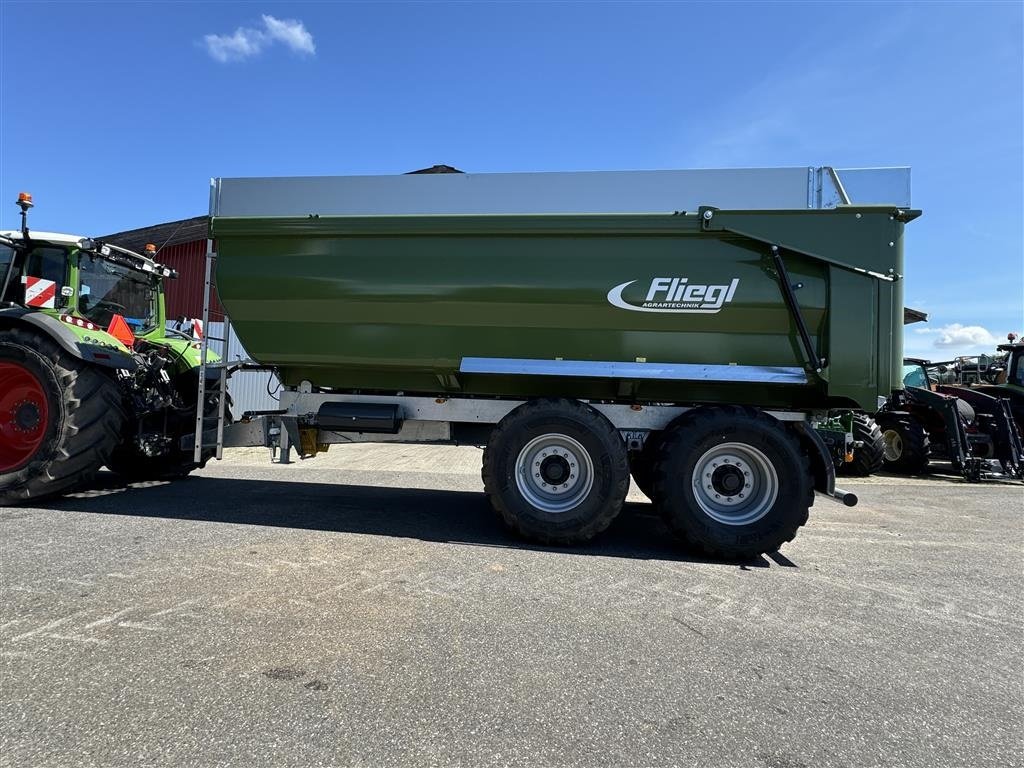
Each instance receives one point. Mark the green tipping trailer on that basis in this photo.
(702, 349)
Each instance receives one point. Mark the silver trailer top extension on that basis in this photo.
(562, 192)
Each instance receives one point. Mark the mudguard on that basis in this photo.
(54, 329)
(821, 465)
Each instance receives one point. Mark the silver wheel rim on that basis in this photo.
(735, 484)
(893, 445)
(554, 473)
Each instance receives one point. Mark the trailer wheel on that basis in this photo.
(869, 457)
(732, 482)
(906, 445)
(59, 418)
(556, 471)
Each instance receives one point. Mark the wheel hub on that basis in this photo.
(727, 480)
(554, 473)
(893, 445)
(735, 483)
(555, 469)
(24, 415)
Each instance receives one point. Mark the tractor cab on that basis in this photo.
(916, 374)
(84, 282)
(1014, 366)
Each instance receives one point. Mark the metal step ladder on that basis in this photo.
(207, 438)
(204, 365)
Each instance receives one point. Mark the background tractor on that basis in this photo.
(89, 375)
(1008, 383)
(927, 420)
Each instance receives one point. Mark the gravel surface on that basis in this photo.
(365, 608)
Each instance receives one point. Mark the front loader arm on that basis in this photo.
(958, 447)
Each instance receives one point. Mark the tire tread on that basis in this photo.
(92, 417)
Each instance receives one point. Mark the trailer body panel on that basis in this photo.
(398, 303)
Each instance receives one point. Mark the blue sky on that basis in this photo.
(116, 115)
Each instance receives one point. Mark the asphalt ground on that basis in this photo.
(366, 609)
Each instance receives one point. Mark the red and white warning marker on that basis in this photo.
(40, 292)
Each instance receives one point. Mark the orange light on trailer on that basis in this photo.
(150, 249)
(25, 200)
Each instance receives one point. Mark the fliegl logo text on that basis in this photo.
(674, 294)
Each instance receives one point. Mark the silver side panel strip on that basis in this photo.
(623, 370)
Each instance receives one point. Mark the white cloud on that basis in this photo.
(290, 32)
(236, 47)
(957, 336)
(246, 42)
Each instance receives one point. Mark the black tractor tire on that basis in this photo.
(735, 450)
(641, 465)
(869, 457)
(556, 471)
(81, 425)
(906, 445)
(133, 466)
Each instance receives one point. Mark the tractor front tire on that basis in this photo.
(906, 445)
(133, 466)
(869, 458)
(60, 418)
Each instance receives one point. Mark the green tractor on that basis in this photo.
(89, 375)
(1008, 381)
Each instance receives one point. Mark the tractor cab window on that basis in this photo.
(44, 263)
(6, 257)
(106, 288)
(914, 376)
(47, 263)
(1017, 368)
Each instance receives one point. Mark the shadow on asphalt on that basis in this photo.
(461, 517)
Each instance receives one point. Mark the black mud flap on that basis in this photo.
(823, 467)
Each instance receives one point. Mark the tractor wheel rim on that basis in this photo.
(735, 484)
(893, 445)
(554, 473)
(24, 415)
